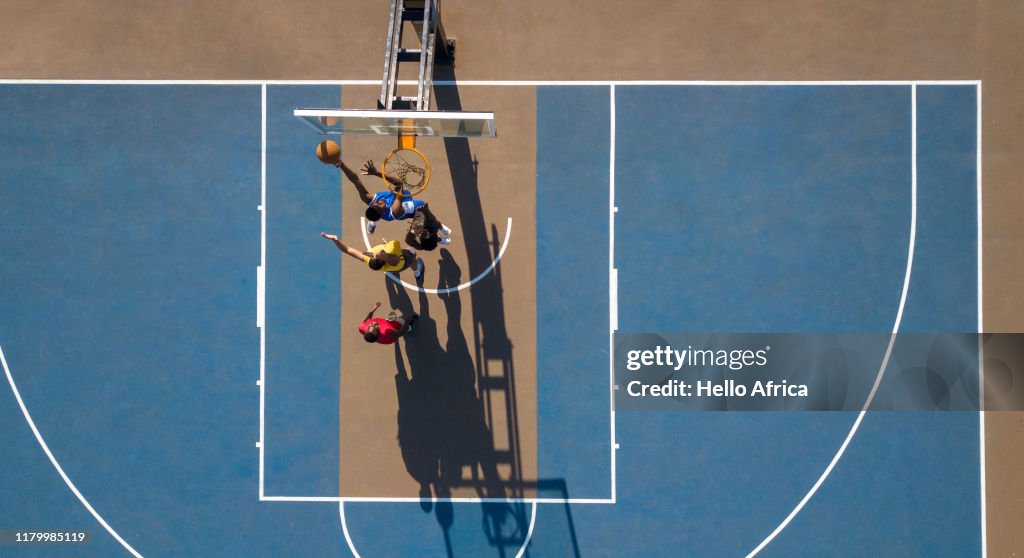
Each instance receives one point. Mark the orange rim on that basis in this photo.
(401, 168)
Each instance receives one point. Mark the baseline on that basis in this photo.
(450, 83)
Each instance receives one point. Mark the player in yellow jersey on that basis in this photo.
(388, 256)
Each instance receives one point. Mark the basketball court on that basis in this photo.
(186, 377)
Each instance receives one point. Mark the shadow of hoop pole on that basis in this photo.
(495, 369)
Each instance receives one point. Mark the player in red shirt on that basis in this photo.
(386, 332)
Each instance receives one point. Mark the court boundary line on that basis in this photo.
(613, 286)
(613, 278)
(981, 330)
(56, 465)
(261, 292)
(612, 281)
(504, 83)
(888, 351)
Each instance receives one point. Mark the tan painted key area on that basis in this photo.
(459, 395)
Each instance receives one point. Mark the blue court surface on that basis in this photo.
(162, 317)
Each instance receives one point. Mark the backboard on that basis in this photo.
(400, 122)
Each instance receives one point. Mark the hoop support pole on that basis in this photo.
(406, 142)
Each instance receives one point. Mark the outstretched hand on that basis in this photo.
(369, 169)
(329, 236)
(372, 310)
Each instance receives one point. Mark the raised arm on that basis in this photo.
(372, 310)
(370, 169)
(431, 218)
(364, 194)
(343, 247)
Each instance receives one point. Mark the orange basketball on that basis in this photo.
(328, 152)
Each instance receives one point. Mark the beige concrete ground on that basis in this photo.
(567, 40)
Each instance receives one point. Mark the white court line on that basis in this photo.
(53, 460)
(981, 348)
(355, 553)
(529, 532)
(613, 282)
(608, 83)
(888, 350)
(371, 499)
(611, 83)
(344, 530)
(261, 294)
(474, 83)
(394, 277)
(730, 83)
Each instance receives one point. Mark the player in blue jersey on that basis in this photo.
(387, 204)
(383, 205)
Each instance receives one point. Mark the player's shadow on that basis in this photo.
(441, 425)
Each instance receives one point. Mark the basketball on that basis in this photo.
(328, 152)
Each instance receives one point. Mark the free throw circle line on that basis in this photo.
(355, 553)
(344, 529)
(394, 277)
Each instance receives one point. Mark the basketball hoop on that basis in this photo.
(405, 163)
(410, 166)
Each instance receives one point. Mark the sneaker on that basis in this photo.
(412, 323)
(445, 230)
(371, 226)
(418, 274)
(444, 240)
